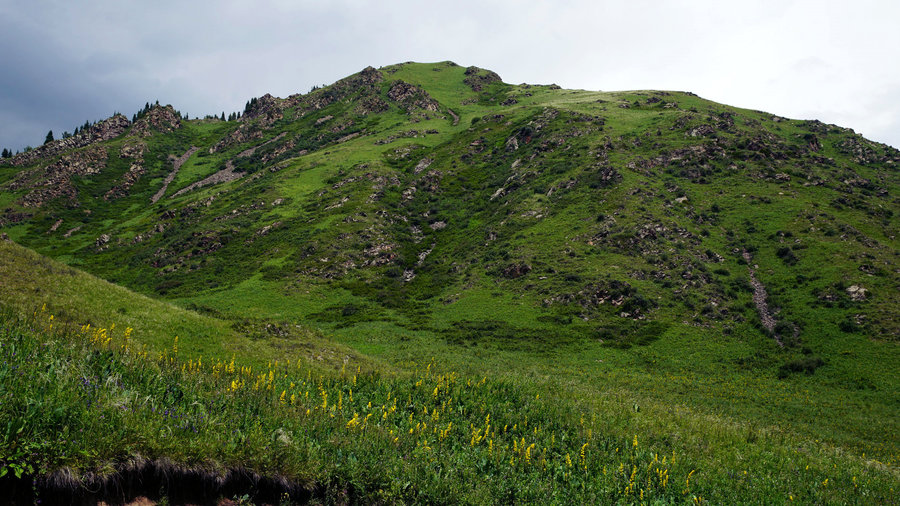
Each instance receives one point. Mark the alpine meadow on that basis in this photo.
(421, 284)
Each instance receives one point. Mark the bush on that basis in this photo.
(807, 365)
(849, 326)
(786, 255)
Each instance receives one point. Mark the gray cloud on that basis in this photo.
(65, 62)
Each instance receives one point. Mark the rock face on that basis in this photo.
(371, 105)
(134, 152)
(55, 181)
(244, 133)
(264, 112)
(267, 109)
(369, 76)
(102, 131)
(158, 119)
(365, 83)
(412, 97)
(478, 78)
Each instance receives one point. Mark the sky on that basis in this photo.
(65, 62)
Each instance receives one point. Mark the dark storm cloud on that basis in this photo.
(66, 62)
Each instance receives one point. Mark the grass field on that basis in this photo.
(94, 398)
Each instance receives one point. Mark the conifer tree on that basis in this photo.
(49, 137)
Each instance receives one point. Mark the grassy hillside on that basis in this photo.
(648, 254)
(90, 414)
(35, 284)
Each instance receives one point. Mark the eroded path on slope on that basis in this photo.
(228, 173)
(222, 176)
(176, 165)
(759, 298)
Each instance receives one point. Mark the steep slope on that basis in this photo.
(431, 209)
(34, 284)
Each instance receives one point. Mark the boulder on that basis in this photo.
(857, 293)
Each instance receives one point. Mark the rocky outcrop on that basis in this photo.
(365, 83)
(422, 165)
(857, 293)
(411, 97)
(11, 216)
(245, 132)
(409, 134)
(102, 242)
(264, 112)
(134, 152)
(252, 151)
(861, 150)
(107, 129)
(478, 78)
(55, 180)
(267, 109)
(516, 270)
(369, 76)
(626, 300)
(161, 119)
(370, 105)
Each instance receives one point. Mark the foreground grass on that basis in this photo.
(90, 400)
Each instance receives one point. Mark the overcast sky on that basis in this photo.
(64, 62)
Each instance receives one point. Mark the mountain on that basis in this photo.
(657, 243)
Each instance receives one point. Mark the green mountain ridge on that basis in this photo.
(455, 204)
(650, 241)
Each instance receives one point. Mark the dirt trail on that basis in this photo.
(224, 175)
(759, 298)
(250, 151)
(171, 177)
(455, 117)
